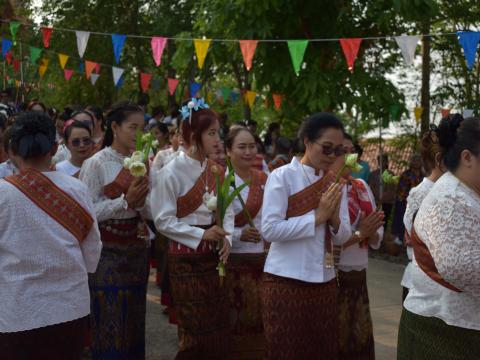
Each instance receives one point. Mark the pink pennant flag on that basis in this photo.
(277, 100)
(158, 45)
(97, 68)
(445, 112)
(145, 81)
(67, 73)
(46, 34)
(248, 50)
(350, 49)
(172, 85)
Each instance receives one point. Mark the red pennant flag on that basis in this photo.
(350, 49)
(248, 49)
(145, 81)
(89, 66)
(172, 85)
(277, 100)
(68, 73)
(97, 68)
(46, 33)
(9, 57)
(16, 65)
(445, 112)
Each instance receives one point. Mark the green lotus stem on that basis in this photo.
(340, 173)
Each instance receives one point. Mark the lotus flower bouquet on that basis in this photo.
(136, 162)
(389, 178)
(351, 163)
(222, 201)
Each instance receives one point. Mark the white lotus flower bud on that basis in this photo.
(212, 203)
(138, 168)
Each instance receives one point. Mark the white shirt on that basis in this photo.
(414, 200)
(238, 245)
(43, 267)
(67, 167)
(448, 222)
(354, 257)
(163, 157)
(62, 154)
(7, 168)
(297, 249)
(100, 170)
(173, 181)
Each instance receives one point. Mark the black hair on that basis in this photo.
(298, 146)
(98, 113)
(268, 136)
(456, 134)
(118, 114)
(66, 114)
(158, 110)
(86, 112)
(358, 149)
(316, 124)
(283, 145)
(348, 137)
(3, 122)
(32, 135)
(6, 139)
(161, 126)
(75, 125)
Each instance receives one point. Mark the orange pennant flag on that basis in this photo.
(445, 112)
(89, 66)
(277, 100)
(248, 50)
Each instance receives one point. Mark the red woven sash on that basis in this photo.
(255, 198)
(193, 199)
(119, 185)
(426, 263)
(54, 201)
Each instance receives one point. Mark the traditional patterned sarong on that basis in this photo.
(118, 293)
(429, 338)
(201, 303)
(300, 319)
(355, 322)
(244, 278)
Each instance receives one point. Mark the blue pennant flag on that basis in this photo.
(194, 88)
(120, 82)
(469, 41)
(6, 45)
(118, 42)
(234, 96)
(81, 67)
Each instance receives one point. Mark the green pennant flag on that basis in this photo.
(225, 93)
(297, 51)
(35, 54)
(395, 112)
(14, 25)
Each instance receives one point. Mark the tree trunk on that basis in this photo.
(425, 95)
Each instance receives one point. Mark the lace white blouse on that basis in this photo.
(100, 170)
(414, 200)
(239, 246)
(7, 168)
(67, 167)
(173, 181)
(448, 222)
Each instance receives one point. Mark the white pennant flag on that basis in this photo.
(467, 113)
(117, 74)
(82, 40)
(408, 44)
(93, 78)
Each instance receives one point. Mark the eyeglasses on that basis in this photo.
(328, 149)
(77, 142)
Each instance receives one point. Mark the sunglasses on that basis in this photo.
(77, 142)
(329, 149)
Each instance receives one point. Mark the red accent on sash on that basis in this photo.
(427, 264)
(306, 200)
(358, 200)
(54, 201)
(258, 162)
(119, 185)
(175, 248)
(255, 198)
(193, 199)
(279, 161)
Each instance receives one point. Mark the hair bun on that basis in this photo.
(447, 130)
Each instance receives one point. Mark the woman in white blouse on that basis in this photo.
(432, 162)
(49, 241)
(304, 214)
(441, 317)
(118, 288)
(247, 257)
(78, 138)
(356, 330)
(181, 203)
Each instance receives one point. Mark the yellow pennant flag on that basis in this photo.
(62, 58)
(209, 98)
(418, 111)
(18, 83)
(250, 95)
(201, 48)
(43, 68)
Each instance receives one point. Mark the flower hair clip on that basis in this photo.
(193, 105)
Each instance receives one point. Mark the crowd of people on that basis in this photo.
(81, 231)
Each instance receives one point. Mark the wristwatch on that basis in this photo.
(358, 234)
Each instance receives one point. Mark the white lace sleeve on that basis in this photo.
(105, 208)
(450, 231)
